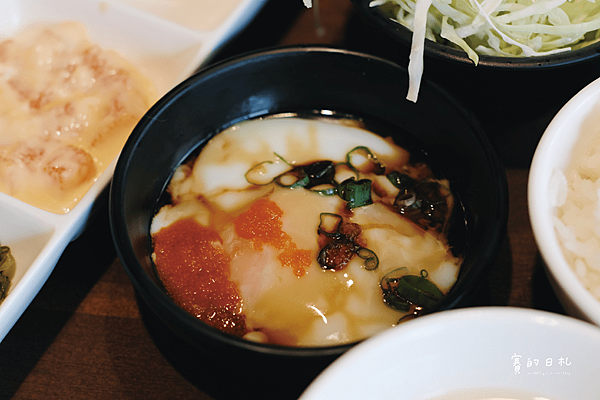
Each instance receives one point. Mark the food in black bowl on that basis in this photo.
(227, 166)
(306, 230)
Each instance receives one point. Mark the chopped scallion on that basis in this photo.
(356, 193)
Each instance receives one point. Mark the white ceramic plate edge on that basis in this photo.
(234, 24)
(343, 379)
(60, 230)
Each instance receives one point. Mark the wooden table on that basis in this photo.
(86, 336)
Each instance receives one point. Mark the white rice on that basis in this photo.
(576, 192)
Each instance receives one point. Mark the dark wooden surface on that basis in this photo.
(86, 336)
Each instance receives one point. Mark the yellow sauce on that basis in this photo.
(67, 107)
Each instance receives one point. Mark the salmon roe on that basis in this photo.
(195, 271)
(262, 225)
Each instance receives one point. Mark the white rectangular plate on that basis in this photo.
(167, 41)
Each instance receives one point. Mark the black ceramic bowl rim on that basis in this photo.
(442, 51)
(165, 307)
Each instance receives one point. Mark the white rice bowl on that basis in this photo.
(564, 203)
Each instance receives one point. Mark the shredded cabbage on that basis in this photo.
(508, 28)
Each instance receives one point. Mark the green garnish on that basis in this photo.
(356, 193)
(258, 175)
(293, 179)
(330, 191)
(7, 266)
(387, 284)
(321, 175)
(342, 244)
(371, 259)
(419, 290)
(329, 224)
(426, 202)
(266, 172)
(370, 162)
(400, 291)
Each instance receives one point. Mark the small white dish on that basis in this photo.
(579, 117)
(490, 352)
(167, 41)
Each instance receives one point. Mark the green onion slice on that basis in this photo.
(345, 171)
(266, 172)
(391, 277)
(356, 193)
(388, 284)
(293, 179)
(395, 302)
(401, 290)
(367, 161)
(257, 175)
(329, 191)
(329, 224)
(371, 259)
(419, 290)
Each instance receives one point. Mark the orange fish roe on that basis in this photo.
(262, 225)
(195, 272)
(296, 259)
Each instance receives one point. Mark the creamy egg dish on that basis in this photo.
(304, 232)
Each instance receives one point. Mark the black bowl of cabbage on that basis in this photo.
(514, 96)
(505, 54)
(311, 81)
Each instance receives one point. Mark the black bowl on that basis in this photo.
(441, 51)
(300, 80)
(514, 97)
